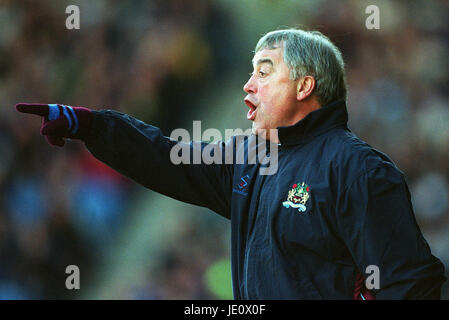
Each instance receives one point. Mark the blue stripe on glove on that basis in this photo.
(53, 112)
(68, 112)
(75, 119)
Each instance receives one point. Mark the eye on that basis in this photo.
(260, 73)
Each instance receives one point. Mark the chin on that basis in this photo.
(254, 130)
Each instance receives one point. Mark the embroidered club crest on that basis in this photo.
(297, 197)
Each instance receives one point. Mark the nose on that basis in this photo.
(250, 86)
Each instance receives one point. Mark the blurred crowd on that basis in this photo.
(153, 60)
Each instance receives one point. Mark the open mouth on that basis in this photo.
(252, 110)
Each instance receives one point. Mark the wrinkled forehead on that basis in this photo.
(268, 55)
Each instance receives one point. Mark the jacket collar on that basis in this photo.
(316, 122)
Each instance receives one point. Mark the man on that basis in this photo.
(335, 209)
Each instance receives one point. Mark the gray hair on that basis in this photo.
(310, 53)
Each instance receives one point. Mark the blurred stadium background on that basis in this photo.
(169, 62)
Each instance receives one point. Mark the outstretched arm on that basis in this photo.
(140, 152)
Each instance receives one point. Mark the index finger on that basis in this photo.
(33, 108)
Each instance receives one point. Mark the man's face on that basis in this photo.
(271, 93)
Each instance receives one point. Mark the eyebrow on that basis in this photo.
(264, 60)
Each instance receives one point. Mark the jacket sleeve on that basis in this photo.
(377, 223)
(140, 152)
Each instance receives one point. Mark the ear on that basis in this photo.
(305, 87)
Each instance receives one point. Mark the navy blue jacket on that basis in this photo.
(334, 207)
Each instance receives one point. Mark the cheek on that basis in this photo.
(268, 98)
(271, 99)
(272, 94)
(263, 93)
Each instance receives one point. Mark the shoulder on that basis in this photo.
(352, 158)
